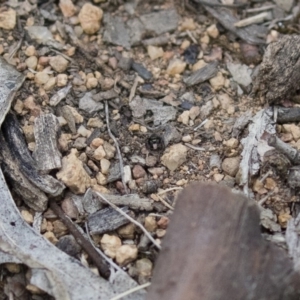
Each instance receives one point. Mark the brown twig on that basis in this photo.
(81, 240)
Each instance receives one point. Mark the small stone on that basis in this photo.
(126, 254)
(31, 62)
(232, 143)
(198, 65)
(231, 165)
(144, 268)
(194, 112)
(225, 101)
(91, 83)
(18, 107)
(13, 268)
(184, 117)
(156, 171)
(127, 174)
(32, 106)
(69, 208)
(151, 161)
(134, 127)
(283, 219)
(83, 131)
(213, 31)
(185, 44)
(181, 182)
(109, 150)
(188, 24)
(205, 39)
(59, 228)
(270, 184)
(27, 216)
(295, 131)
(176, 66)
(218, 177)
(67, 8)
(28, 131)
(34, 289)
(112, 62)
(96, 143)
(50, 84)
(49, 235)
(160, 233)
(62, 80)
(101, 179)
(95, 123)
(163, 222)
(73, 175)
(174, 156)
(187, 138)
(80, 143)
(58, 63)
(99, 153)
(30, 51)
(138, 172)
(150, 223)
(110, 244)
(217, 82)
(7, 18)
(127, 231)
(155, 52)
(90, 17)
(41, 78)
(105, 165)
(90, 106)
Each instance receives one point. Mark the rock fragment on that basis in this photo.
(174, 156)
(8, 19)
(110, 244)
(126, 254)
(58, 63)
(90, 17)
(73, 175)
(231, 165)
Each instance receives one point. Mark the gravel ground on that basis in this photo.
(148, 96)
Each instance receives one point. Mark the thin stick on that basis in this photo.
(260, 9)
(130, 219)
(137, 80)
(201, 124)
(169, 190)
(264, 199)
(165, 202)
(191, 37)
(254, 19)
(117, 146)
(209, 3)
(110, 261)
(81, 240)
(137, 288)
(194, 147)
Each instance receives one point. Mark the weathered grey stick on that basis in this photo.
(292, 154)
(46, 153)
(18, 147)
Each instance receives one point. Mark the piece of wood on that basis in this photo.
(213, 249)
(201, 75)
(16, 142)
(28, 192)
(10, 81)
(106, 220)
(251, 34)
(46, 153)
